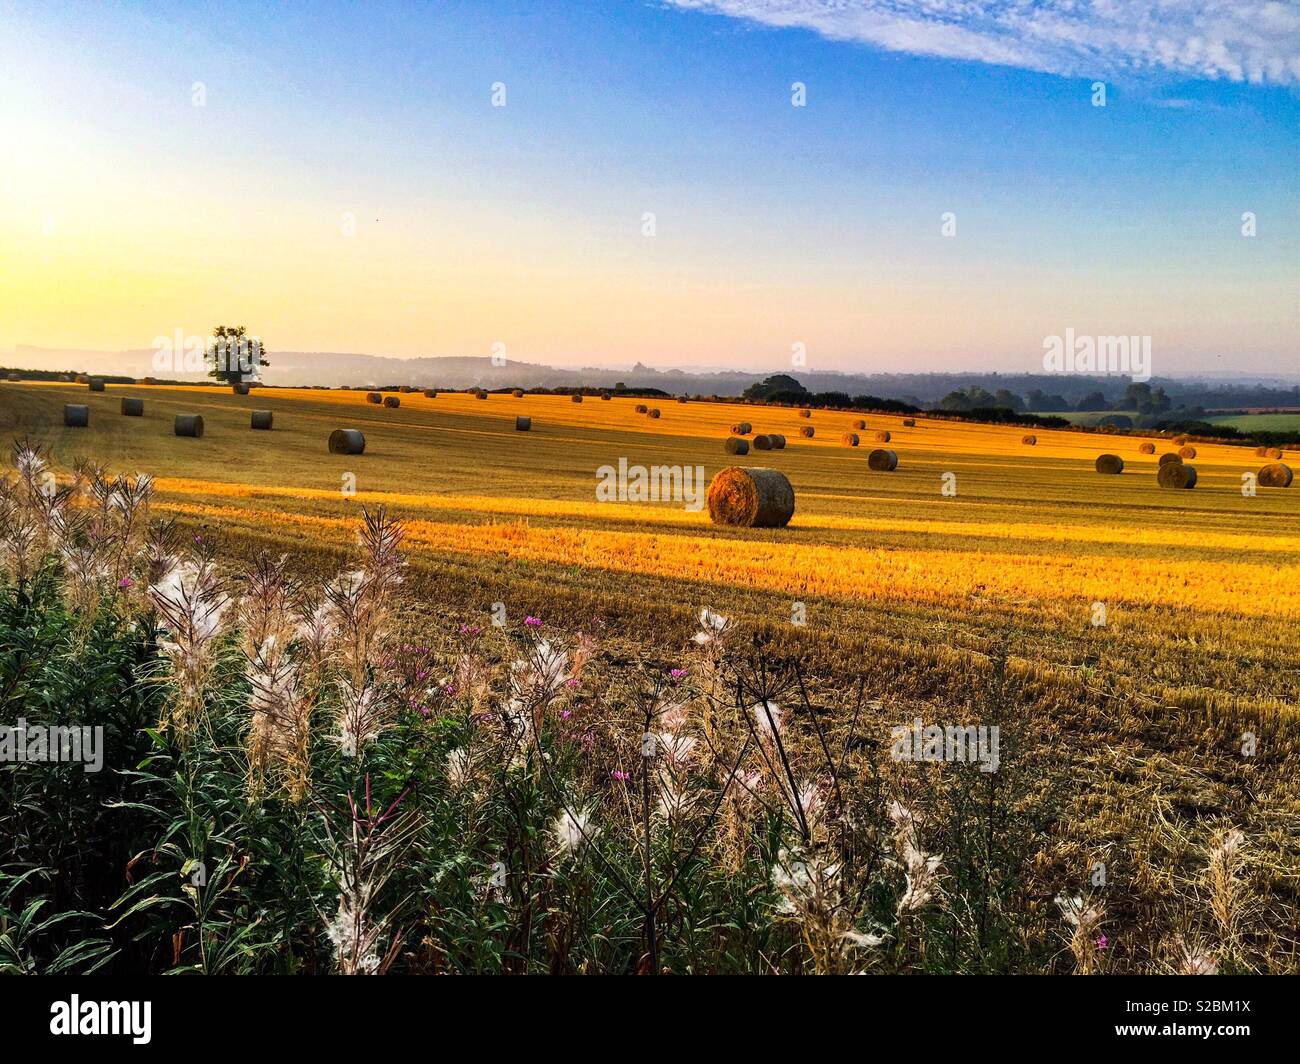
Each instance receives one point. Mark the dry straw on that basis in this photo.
(1176, 475)
(751, 498)
(347, 441)
(737, 446)
(1110, 463)
(261, 419)
(76, 416)
(882, 461)
(1276, 475)
(132, 407)
(188, 425)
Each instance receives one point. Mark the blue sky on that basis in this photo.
(773, 224)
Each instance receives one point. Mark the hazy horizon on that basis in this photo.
(339, 180)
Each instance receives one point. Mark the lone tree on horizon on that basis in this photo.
(233, 356)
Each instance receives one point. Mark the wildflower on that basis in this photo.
(677, 675)
(620, 775)
(532, 622)
(1102, 941)
(125, 583)
(573, 831)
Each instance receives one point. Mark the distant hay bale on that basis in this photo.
(1147, 448)
(680, 399)
(576, 397)
(751, 498)
(882, 461)
(347, 441)
(15, 376)
(1187, 452)
(742, 428)
(1110, 463)
(261, 419)
(76, 416)
(480, 393)
(763, 443)
(807, 432)
(1273, 452)
(735, 446)
(605, 397)
(82, 379)
(1029, 441)
(882, 436)
(805, 413)
(392, 402)
(431, 393)
(96, 384)
(850, 439)
(1261, 452)
(1276, 475)
(1180, 440)
(523, 424)
(1176, 475)
(1170, 458)
(374, 397)
(653, 412)
(859, 424)
(239, 389)
(188, 425)
(132, 407)
(909, 422)
(778, 441)
(518, 393)
(641, 408)
(406, 389)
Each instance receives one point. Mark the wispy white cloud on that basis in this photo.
(1255, 41)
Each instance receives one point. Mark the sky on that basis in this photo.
(338, 178)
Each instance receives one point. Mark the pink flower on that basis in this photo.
(533, 622)
(1102, 941)
(124, 583)
(572, 682)
(565, 714)
(677, 674)
(470, 629)
(620, 775)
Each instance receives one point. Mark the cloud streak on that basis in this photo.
(1255, 41)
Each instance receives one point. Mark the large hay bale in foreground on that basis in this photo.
(859, 424)
(741, 428)
(882, 436)
(1273, 452)
(737, 446)
(374, 397)
(653, 412)
(1110, 463)
(188, 425)
(523, 424)
(850, 439)
(576, 398)
(778, 441)
(132, 407)
(239, 389)
(751, 498)
(1170, 458)
(1029, 441)
(1147, 448)
(807, 432)
(261, 420)
(431, 393)
(1187, 452)
(909, 422)
(76, 416)
(1276, 475)
(1176, 475)
(392, 402)
(95, 384)
(347, 441)
(882, 461)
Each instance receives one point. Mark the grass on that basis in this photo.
(1289, 422)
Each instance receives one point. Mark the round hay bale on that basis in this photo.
(239, 389)
(1273, 452)
(641, 408)
(576, 398)
(742, 428)
(909, 422)
(347, 441)
(76, 416)
(807, 432)
(406, 389)
(1276, 475)
(480, 394)
(81, 378)
(1170, 458)
(805, 413)
(188, 425)
(1187, 452)
(261, 419)
(605, 397)
(374, 397)
(523, 424)
(653, 412)
(763, 443)
(882, 436)
(1261, 452)
(132, 407)
(778, 441)
(1029, 441)
(518, 393)
(1147, 448)
(15, 376)
(680, 399)
(859, 424)
(1180, 440)
(751, 498)
(850, 439)
(392, 402)
(1176, 475)
(737, 446)
(95, 384)
(882, 461)
(1110, 463)
(431, 393)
